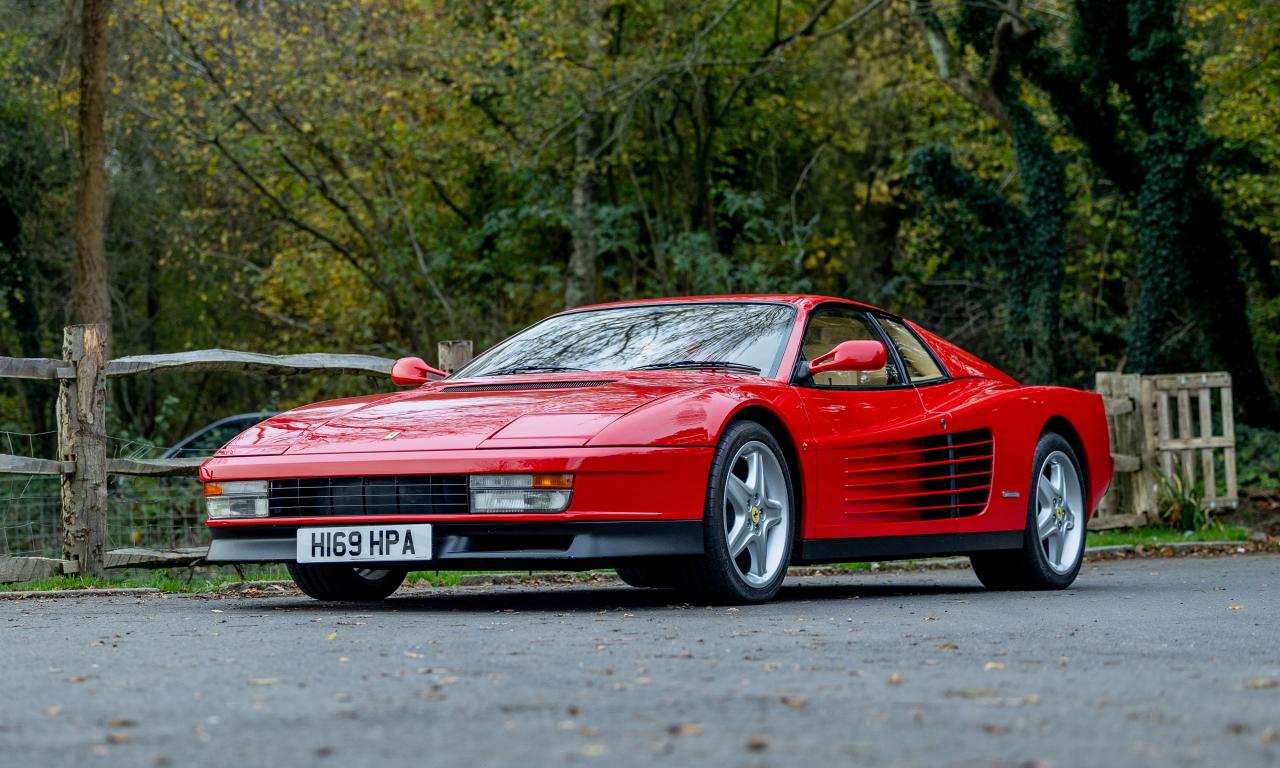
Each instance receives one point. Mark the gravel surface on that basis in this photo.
(1147, 662)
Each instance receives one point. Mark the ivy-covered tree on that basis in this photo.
(1026, 238)
(1128, 90)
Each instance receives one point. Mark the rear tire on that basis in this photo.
(344, 583)
(1054, 537)
(749, 520)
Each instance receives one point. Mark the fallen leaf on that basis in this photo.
(53, 711)
(948, 646)
(76, 679)
(967, 693)
(120, 722)
(990, 665)
(896, 679)
(216, 610)
(995, 728)
(757, 744)
(1270, 736)
(331, 636)
(343, 659)
(684, 729)
(1236, 607)
(1265, 682)
(414, 655)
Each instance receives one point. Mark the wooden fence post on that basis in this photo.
(82, 439)
(454, 354)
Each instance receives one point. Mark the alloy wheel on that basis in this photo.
(757, 513)
(1059, 512)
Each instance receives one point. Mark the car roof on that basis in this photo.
(802, 300)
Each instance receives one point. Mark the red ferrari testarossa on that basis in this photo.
(703, 444)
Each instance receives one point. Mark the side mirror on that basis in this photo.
(857, 355)
(412, 370)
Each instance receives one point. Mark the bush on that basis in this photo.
(1258, 457)
(1182, 508)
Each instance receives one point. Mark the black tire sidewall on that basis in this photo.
(342, 583)
(721, 576)
(1036, 560)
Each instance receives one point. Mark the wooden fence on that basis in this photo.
(1158, 437)
(83, 462)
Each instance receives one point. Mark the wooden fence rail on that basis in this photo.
(83, 463)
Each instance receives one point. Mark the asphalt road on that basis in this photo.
(1152, 662)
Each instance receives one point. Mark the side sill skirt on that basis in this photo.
(816, 551)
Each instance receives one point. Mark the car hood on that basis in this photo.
(546, 411)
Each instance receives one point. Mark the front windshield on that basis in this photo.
(739, 337)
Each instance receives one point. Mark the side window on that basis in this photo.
(919, 363)
(827, 329)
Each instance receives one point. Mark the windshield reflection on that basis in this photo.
(624, 338)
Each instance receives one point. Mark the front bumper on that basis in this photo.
(470, 546)
(610, 483)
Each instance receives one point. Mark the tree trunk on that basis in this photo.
(90, 294)
(580, 284)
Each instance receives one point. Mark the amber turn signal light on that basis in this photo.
(552, 481)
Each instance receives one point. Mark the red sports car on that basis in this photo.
(703, 444)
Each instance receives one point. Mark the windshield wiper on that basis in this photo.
(725, 364)
(532, 369)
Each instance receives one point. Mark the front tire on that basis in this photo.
(333, 583)
(1053, 540)
(749, 519)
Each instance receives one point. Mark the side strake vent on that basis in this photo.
(514, 385)
(926, 479)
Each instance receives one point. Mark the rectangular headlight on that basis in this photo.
(237, 506)
(241, 498)
(520, 493)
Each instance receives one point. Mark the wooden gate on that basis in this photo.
(1156, 432)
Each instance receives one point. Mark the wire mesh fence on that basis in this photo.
(146, 512)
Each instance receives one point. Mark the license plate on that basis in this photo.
(364, 543)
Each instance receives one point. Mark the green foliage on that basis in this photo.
(1258, 457)
(366, 176)
(1180, 507)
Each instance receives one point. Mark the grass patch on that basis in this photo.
(163, 579)
(1155, 535)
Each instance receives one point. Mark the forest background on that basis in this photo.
(1061, 187)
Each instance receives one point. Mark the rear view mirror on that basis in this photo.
(412, 370)
(857, 355)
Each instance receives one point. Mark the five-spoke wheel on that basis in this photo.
(749, 523)
(757, 513)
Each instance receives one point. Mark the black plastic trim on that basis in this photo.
(577, 545)
(813, 551)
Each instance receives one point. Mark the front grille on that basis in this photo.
(381, 495)
(519, 385)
